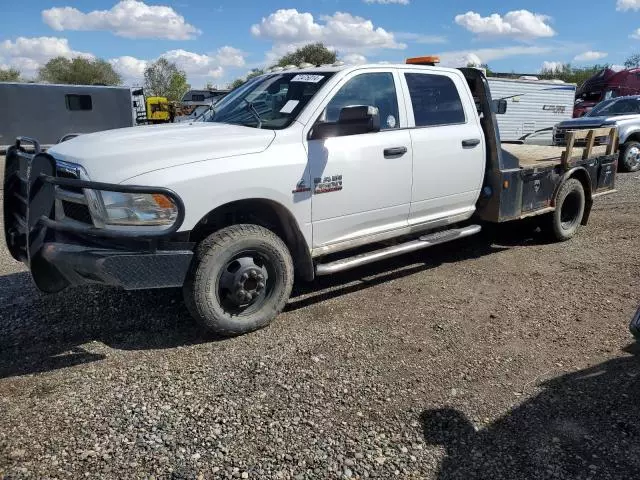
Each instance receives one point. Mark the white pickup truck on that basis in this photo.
(294, 173)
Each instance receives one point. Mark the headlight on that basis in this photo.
(135, 209)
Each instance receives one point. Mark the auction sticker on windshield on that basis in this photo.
(289, 106)
(307, 78)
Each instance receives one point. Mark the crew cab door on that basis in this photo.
(361, 184)
(448, 146)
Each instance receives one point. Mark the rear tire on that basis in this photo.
(570, 206)
(629, 160)
(240, 280)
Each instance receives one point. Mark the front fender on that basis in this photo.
(625, 132)
(205, 186)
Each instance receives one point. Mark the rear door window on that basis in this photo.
(435, 100)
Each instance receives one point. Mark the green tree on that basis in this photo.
(571, 74)
(313, 53)
(79, 71)
(164, 79)
(9, 75)
(633, 61)
(238, 82)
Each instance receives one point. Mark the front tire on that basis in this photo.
(570, 206)
(630, 157)
(240, 280)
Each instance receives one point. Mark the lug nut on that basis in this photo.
(260, 286)
(244, 277)
(253, 274)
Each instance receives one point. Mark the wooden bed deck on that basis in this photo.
(544, 156)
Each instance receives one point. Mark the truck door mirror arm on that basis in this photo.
(353, 120)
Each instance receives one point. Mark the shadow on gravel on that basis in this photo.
(494, 239)
(584, 425)
(39, 333)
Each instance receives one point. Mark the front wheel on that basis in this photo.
(240, 280)
(630, 157)
(570, 205)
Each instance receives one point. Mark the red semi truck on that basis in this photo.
(604, 85)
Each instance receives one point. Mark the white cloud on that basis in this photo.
(552, 66)
(27, 54)
(636, 34)
(131, 69)
(589, 56)
(624, 5)
(230, 57)
(388, 2)
(341, 31)
(420, 38)
(354, 59)
(127, 18)
(198, 67)
(520, 24)
(462, 58)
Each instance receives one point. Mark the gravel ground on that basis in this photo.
(496, 357)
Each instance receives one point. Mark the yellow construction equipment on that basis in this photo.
(157, 110)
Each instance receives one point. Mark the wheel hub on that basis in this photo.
(632, 156)
(243, 281)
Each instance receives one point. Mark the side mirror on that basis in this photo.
(499, 107)
(353, 120)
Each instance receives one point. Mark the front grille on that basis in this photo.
(560, 138)
(77, 212)
(64, 172)
(72, 203)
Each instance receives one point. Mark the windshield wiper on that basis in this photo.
(252, 109)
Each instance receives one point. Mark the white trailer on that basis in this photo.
(49, 112)
(534, 107)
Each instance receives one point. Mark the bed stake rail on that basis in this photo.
(589, 135)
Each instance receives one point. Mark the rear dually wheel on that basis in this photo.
(570, 206)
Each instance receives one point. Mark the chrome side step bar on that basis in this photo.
(423, 242)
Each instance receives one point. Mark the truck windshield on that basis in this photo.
(270, 101)
(622, 106)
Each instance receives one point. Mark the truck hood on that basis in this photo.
(594, 122)
(114, 156)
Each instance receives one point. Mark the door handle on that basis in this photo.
(394, 152)
(470, 143)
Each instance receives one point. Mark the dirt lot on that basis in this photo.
(499, 356)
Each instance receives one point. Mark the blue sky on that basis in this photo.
(219, 40)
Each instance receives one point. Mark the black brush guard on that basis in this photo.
(60, 254)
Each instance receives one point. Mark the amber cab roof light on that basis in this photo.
(431, 60)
